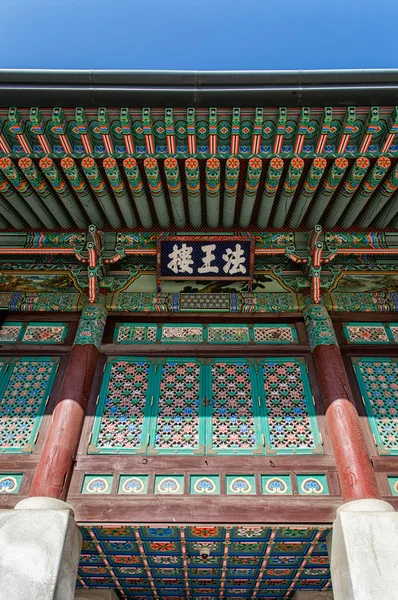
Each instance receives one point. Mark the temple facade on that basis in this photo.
(199, 335)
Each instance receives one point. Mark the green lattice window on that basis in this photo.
(25, 385)
(234, 426)
(289, 409)
(192, 406)
(378, 382)
(123, 415)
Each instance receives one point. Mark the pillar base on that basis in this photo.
(363, 550)
(39, 551)
(312, 595)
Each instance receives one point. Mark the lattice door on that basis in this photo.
(24, 391)
(378, 381)
(122, 419)
(178, 408)
(233, 423)
(290, 422)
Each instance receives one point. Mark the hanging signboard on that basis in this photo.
(209, 257)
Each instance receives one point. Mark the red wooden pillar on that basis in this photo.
(55, 467)
(357, 479)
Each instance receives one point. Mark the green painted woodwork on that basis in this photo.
(82, 191)
(324, 195)
(55, 178)
(290, 184)
(319, 326)
(276, 484)
(241, 484)
(393, 483)
(378, 381)
(366, 190)
(135, 333)
(233, 425)
(204, 484)
(380, 200)
(213, 174)
(308, 191)
(178, 415)
(10, 483)
(119, 189)
(251, 185)
(290, 420)
(133, 484)
(232, 169)
(137, 188)
(175, 191)
(272, 180)
(25, 386)
(100, 190)
(312, 485)
(169, 484)
(228, 334)
(91, 325)
(156, 187)
(347, 190)
(122, 418)
(97, 484)
(191, 406)
(50, 200)
(192, 176)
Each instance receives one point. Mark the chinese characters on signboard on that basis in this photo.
(205, 258)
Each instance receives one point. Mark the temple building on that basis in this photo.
(199, 335)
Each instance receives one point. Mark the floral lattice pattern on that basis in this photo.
(177, 423)
(366, 334)
(233, 420)
(378, 380)
(28, 384)
(44, 334)
(123, 405)
(288, 416)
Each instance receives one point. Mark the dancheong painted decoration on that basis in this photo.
(198, 325)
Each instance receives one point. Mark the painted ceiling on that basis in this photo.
(204, 563)
(198, 168)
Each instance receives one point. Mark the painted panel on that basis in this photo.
(44, 333)
(275, 334)
(10, 332)
(182, 334)
(290, 420)
(24, 392)
(135, 333)
(120, 423)
(228, 334)
(234, 426)
(366, 333)
(378, 382)
(178, 408)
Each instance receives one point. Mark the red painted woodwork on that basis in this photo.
(357, 479)
(54, 470)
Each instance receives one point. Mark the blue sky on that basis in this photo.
(198, 34)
